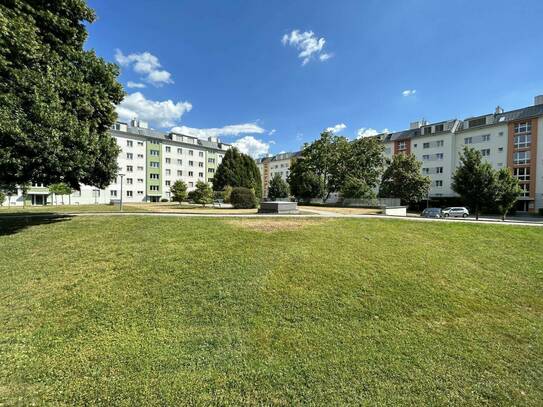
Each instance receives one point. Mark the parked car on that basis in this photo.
(456, 211)
(431, 213)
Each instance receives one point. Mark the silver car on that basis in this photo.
(455, 211)
(431, 213)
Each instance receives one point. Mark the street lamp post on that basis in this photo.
(121, 203)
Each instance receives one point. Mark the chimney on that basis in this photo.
(415, 125)
(538, 100)
(499, 110)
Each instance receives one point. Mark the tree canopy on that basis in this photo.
(402, 179)
(304, 183)
(203, 194)
(178, 191)
(475, 181)
(507, 190)
(237, 170)
(57, 100)
(278, 188)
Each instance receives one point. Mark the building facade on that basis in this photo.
(149, 163)
(505, 139)
(273, 165)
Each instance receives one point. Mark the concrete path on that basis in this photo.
(314, 214)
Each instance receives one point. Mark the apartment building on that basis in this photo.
(149, 163)
(505, 139)
(272, 165)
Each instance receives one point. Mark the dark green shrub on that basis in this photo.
(164, 200)
(540, 211)
(243, 198)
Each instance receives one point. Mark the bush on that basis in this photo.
(227, 191)
(164, 200)
(540, 212)
(243, 198)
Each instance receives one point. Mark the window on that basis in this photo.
(140, 192)
(211, 170)
(440, 143)
(525, 190)
(168, 149)
(477, 122)
(168, 161)
(154, 142)
(426, 145)
(426, 171)
(154, 152)
(129, 181)
(523, 141)
(500, 149)
(140, 168)
(140, 155)
(191, 163)
(140, 143)
(168, 172)
(191, 152)
(129, 143)
(140, 180)
(425, 157)
(179, 151)
(179, 173)
(129, 168)
(485, 152)
(525, 127)
(468, 140)
(439, 170)
(521, 157)
(210, 180)
(167, 183)
(523, 174)
(154, 176)
(438, 183)
(200, 154)
(129, 193)
(439, 127)
(153, 188)
(200, 164)
(129, 156)
(113, 193)
(428, 130)
(211, 160)
(191, 184)
(201, 174)
(191, 174)
(402, 145)
(439, 156)
(154, 164)
(486, 137)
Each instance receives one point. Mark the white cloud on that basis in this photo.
(145, 64)
(337, 128)
(137, 85)
(231, 130)
(409, 92)
(308, 44)
(368, 132)
(271, 132)
(252, 146)
(162, 113)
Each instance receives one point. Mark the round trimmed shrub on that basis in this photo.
(243, 198)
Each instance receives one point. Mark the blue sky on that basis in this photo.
(233, 68)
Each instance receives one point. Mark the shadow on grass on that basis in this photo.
(15, 222)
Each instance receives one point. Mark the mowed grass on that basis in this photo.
(184, 311)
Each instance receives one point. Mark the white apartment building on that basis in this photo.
(505, 139)
(149, 163)
(272, 165)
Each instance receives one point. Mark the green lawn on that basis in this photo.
(19, 210)
(139, 311)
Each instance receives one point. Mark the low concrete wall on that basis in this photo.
(395, 210)
(278, 207)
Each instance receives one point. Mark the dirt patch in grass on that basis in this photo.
(275, 225)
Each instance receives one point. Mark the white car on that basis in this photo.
(455, 211)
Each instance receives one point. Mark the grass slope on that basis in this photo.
(161, 311)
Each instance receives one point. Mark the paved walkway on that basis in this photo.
(537, 222)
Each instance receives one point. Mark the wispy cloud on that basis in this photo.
(368, 132)
(409, 92)
(145, 64)
(271, 132)
(309, 45)
(161, 113)
(337, 128)
(230, 130)
(252, 146)
(136, 85)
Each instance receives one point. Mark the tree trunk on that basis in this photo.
(476, 213)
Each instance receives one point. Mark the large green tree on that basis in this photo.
(365, 161)
(179, 191)
(507, 191)
(402, 179)
(304, 183)
(237, 170)
(57, 100)
(475, 181)
(203, 194)
(278, 188)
